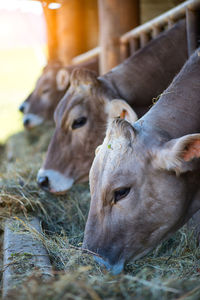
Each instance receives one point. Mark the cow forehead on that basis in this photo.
(79, 97)
(112, 153)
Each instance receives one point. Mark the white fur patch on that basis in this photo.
(34, 120)
(113, 148)
(58, 182)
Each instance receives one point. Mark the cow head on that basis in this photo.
(143, 188)
(49, 89)
(81, 119)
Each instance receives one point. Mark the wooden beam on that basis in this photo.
(91, 54)
(115, 18)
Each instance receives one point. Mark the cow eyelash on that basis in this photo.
(120, 194)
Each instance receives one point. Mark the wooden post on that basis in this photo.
(115, 18)
(193, 29)
(70, 30)
(51, 29)
(91, 24)
(76, 28)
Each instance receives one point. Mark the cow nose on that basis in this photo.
(43, 182)
(21, 108)
(26, 122)
(114, 269)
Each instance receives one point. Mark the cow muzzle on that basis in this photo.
(54, 182)
(31, 120)
(22, 107)
(114, 269)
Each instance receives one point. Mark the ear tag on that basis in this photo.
(123, 114)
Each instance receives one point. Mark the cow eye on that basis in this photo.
(122, 193)
(79, 122)
(45, 91)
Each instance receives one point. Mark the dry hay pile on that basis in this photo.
(171, 271)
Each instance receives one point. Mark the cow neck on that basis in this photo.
(177, 111)
(150, 70)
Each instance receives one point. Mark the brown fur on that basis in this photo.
(138, 79)
(162, 173)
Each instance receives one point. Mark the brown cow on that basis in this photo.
(49, 90)
(145, 178)
(82, 114)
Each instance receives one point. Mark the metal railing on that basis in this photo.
(141, 35)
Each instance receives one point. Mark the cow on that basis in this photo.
(49, 90)
(81, 116)
(145, 177)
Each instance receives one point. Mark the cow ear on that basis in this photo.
(82, 76)
(119, 108)
(62, 79)
(179, 154)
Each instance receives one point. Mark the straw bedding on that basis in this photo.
(171, 271)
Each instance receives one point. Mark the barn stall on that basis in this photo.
(55, 225)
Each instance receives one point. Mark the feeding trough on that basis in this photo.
(23, 253)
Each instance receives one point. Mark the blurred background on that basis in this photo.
(22, 57)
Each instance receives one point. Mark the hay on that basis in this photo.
(171, 271)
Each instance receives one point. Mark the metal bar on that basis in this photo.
(156, 31)
(170, 23)
(124, 51)
(134, 45)
(86, 56)
(174, 14)
(144, 39)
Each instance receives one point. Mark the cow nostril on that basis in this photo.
(43, 182)
(21, 108)
(26, 122)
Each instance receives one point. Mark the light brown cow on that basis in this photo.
(82, 114)
(49, 90)
(145, 177)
